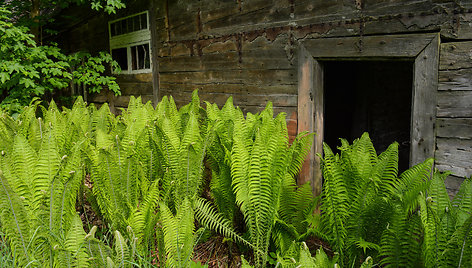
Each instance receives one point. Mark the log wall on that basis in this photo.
(454, 112)
(248, 49)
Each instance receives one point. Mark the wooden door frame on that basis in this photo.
(421, 49)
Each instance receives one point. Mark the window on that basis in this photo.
(130, 43)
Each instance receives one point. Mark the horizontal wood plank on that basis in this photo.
(454, 104)
(460, 79)
(456, 55)
(455, 155)
(231, 88)
(454, 128)
(395, 46)
(248, 77)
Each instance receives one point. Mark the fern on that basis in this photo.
(15, 224)
(368, 210)
(214, 221)
(335, 196)
(74, 253)
(178, 234)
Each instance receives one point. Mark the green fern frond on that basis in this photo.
(178, 234)
(75, 244)
(23, 157)
(45, 170)
(462, 202)
(207, 216)
(283, 235)
(412, 182)
(143, 220)
(400, 243)
(97, 250)
(385, 171)
(335, 204)
(14, 222)
(121, 250)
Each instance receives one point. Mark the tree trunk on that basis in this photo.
(34, 15)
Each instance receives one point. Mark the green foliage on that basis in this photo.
(147, 169)
(28, 70)
(355, 199)
(178, 234)
(299, 255)
(252, 155)
(405, 221)
(22, 9)
(39, 191)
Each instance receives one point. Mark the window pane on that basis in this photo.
(140, 58)
(124, 26)
(118, 28)
(137, 24)
(120, 56)
(134, 58)
(112, 29)
(144, 21)
(131, 24)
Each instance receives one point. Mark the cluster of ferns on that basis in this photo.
(164, 179)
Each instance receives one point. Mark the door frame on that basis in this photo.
(421, 49)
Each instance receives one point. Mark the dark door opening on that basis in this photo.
(369, 96)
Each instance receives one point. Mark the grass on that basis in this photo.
(6, 259)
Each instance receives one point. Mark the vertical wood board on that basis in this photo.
(423, 110)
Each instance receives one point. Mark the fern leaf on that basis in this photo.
(14, 222)
(207, 216)
(121, 249)
(74, 243)
(335, 204)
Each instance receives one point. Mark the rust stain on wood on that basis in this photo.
(166, 21)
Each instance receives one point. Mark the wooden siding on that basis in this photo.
(454, 112)
(248, 50)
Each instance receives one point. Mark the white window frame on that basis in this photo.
(131, 39)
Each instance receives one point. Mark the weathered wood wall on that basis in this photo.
(247, 49)
(454, 112)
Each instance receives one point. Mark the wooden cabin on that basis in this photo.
(399, 69)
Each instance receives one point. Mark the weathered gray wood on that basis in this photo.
(250, 77)
(464, 27)
(456, 55)
(225, 61)
(453, 183)
(455, 155)
(460, 79)
(454, 128)
(389, 46)
(425, 83)
(318, 99)
(454, 104)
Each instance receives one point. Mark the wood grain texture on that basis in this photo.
(306, 110)
(425, 84)
(454, 104)
(460, 79)
(460, 128)
(455, 155)
(390, 46)
(318, 106)
(456, 55)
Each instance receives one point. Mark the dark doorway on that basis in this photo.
(369, 96)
